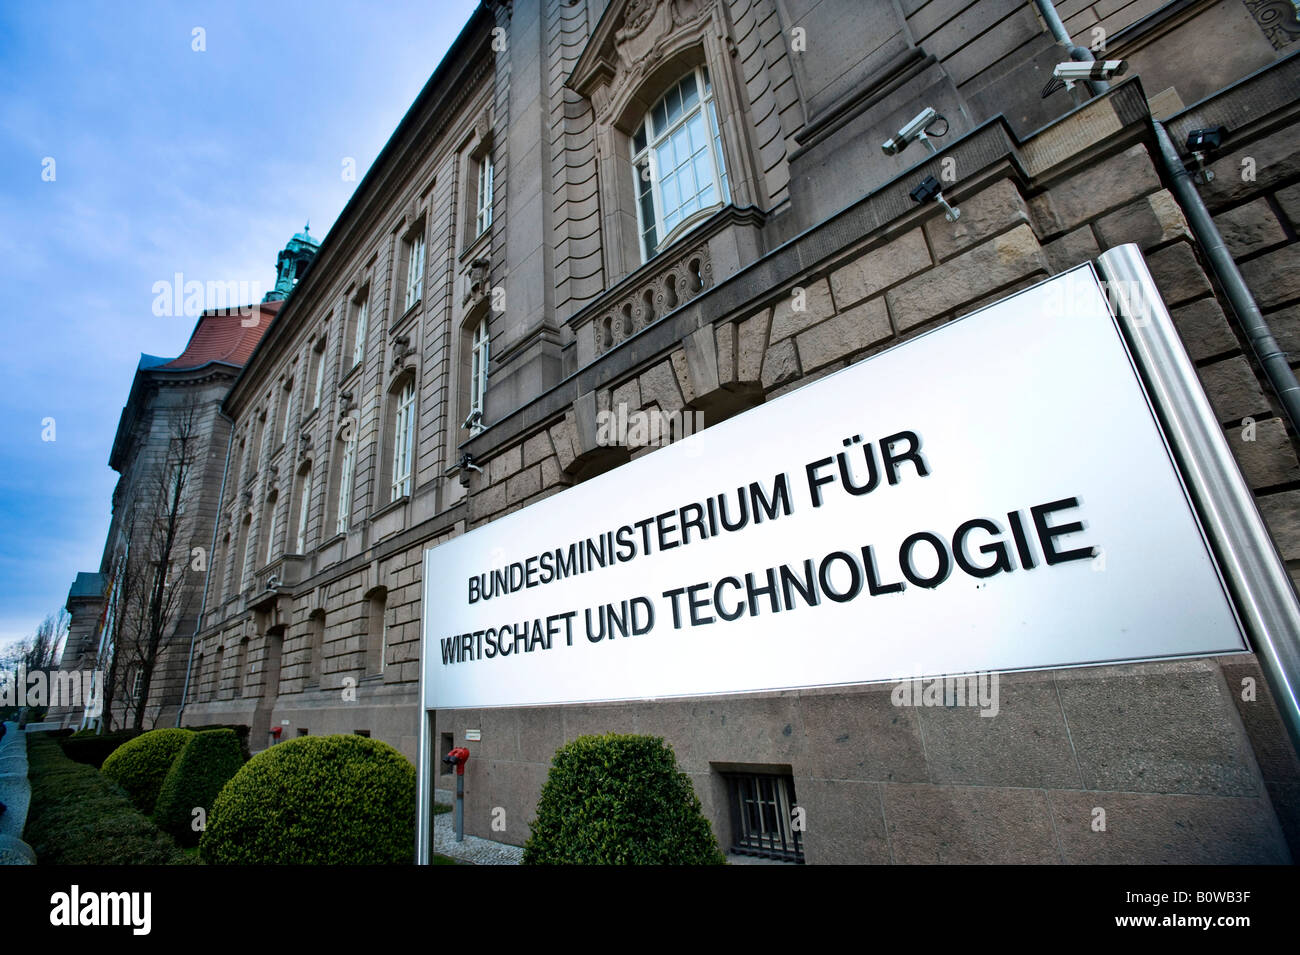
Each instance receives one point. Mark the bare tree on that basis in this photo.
(43, 650)
(152, 592)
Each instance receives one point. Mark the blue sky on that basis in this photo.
(166, 159)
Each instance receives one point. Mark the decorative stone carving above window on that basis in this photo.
(630, 41)
(670, 285)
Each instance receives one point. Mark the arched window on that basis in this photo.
(677, 161)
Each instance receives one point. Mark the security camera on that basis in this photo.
(928, 189)
(915, 129)
(1201, 142)
(475, 418)
(1077, 71)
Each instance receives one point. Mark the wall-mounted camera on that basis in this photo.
(928, 189)
(916, 129)
(1080, 71)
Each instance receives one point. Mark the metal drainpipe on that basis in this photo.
(1080, 53)
(207, 578)
(1271, 357)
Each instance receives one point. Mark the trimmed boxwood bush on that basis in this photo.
(241, 730)
(619, 800)
(92, 748)
(77, 817)
(207, 763)
(316, 800)
(140, 765)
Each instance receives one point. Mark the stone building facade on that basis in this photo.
(599, 205)
(168, 398)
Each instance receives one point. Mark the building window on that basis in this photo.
(376, 631)
(286, 410)
(483, 205)
(415, 267)
(196, 682)
(362, 307)
(403, 440)
(220, 567)
(137, 686)
(318, 355)
(271, 513)
(241, 668)
(316, 625)
(762, 822)
(478, 374)
(245, 546)
(346, 466)
(677, 161)
(304, 508)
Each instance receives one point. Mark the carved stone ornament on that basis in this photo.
(476, 281)
(629, 43)
(401, 348)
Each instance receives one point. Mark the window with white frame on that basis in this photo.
(403, 440)
(415, 267)
(359, 337)
(483, 206)
(318, 392)
(346, 466)
(677, 161)
(304, 508)
(478, 372)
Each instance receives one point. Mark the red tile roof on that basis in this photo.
(221, 335)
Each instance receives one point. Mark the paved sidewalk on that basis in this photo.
(473, 849)
(16, 794)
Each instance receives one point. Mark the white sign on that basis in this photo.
(994, 495)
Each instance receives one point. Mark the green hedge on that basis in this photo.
(619, 800)
(207, 763)
(316, 800)
(140, 765)
(92, 748)
(77, 817)
(240, 730)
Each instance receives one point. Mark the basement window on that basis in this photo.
(762, 816)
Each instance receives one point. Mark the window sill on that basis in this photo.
(350, 374)
(391, 506)
(474, 245)
(311, 416)
(410, 310)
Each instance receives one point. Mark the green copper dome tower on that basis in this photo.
(291, 264)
